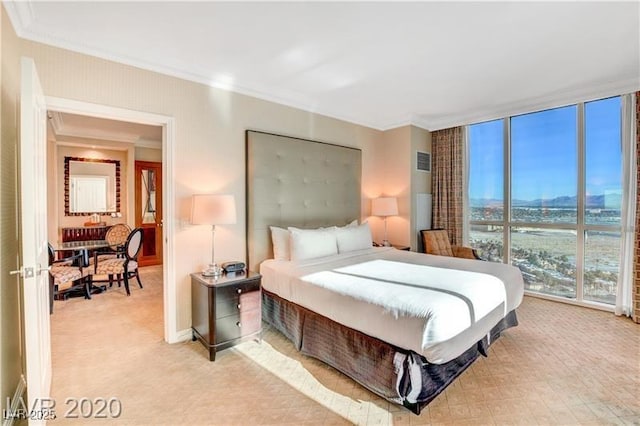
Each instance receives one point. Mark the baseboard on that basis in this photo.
(183, 335)
(18, 396)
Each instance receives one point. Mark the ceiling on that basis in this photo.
(81, 130)
(379, 64)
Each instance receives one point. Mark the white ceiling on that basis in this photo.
(380, 64)
(81, 130)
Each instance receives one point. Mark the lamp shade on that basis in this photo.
(212, 209)
(384, 206)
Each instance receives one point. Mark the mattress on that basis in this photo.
(436, 306)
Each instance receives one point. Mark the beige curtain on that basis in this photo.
(447, 182)
(636, 262)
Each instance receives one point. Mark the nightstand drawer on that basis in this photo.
(228, 328)
(235, 326)
(235, 305)
(234, 291)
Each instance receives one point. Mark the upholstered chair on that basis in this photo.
(126, 266)
(436, 241)
(116, 237)
(68, 275)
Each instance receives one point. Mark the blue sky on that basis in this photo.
(544, 153)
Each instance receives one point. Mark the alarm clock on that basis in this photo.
(234, 266)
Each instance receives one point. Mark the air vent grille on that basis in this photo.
(424, 161)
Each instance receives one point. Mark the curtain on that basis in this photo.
(447, 186)
(624, 291)
(635, 278)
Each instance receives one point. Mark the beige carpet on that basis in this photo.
(562, 365)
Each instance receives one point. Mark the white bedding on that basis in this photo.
(437, 306)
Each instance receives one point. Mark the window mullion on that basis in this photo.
(581, 157)
(506, 214)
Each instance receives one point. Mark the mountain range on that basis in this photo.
(609, 201)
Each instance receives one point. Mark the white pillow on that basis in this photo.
(352, 238)
(280, 241)
(312, 243)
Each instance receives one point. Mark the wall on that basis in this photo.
(209, 151)
(396, 175)
(394, 168)
(11, 345)
(148, 154)
(420, 180)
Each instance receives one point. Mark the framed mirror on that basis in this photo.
(91, 186)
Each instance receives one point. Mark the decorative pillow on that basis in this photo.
(280, 241)
(312, 243)
(352, 238)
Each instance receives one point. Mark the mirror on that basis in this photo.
(91, 186)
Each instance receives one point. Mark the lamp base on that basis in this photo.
(386, 243)
(213, 270)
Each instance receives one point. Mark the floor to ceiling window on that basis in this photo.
(545, 194)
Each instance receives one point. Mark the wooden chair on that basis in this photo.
(126, 266)
(116, 237)
(436, 241)
(71, 273)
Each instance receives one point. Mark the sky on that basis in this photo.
(544, 153)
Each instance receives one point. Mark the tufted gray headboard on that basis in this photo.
(297, 182)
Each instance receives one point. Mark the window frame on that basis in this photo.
(580, 227)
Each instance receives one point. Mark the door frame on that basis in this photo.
(171, 333)
(142, 261)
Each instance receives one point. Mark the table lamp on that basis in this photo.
(384, 206)
(213, 209)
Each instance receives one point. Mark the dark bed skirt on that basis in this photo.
(397, 375)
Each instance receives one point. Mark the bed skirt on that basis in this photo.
(397, 375)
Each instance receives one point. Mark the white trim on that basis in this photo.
(583, 303)
(557, 99)
(18, 395)
(21, 16)
(171, 334)
(183, 335)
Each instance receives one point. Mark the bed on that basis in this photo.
(402, 324)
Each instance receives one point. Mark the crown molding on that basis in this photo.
(147, 143)
(222, 84)
(556, 99)
(22, 15)
(99, 145)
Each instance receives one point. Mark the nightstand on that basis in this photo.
(225, 310)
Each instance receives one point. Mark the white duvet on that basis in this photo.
(437, 306)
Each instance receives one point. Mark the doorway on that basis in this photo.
(148, 210)
(171, 334)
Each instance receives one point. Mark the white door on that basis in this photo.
(33, 203)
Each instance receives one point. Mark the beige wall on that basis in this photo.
(420, 181)
(393, 166)
(396, 176)
(149, 154)
(11, 346)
